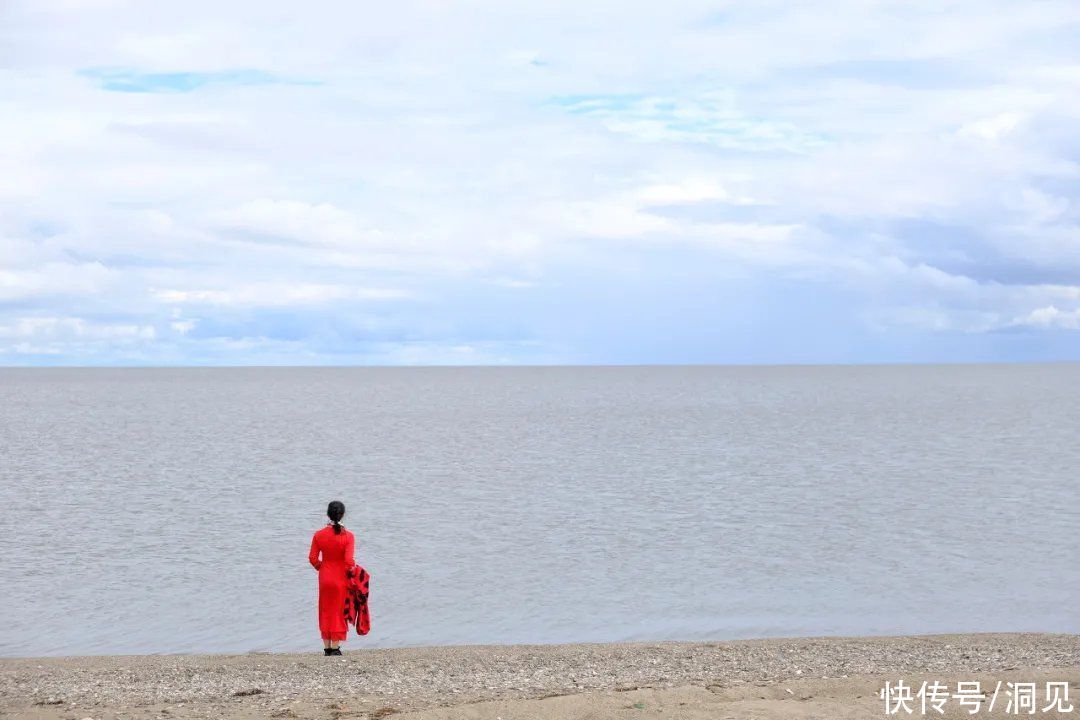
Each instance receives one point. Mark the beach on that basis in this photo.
(772, 678)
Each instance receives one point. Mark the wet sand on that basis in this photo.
(782, 678)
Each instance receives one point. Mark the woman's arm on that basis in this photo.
(313, 555)
(350, 546)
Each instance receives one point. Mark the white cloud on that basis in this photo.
(60, 328)
(277, 295)
(476, 158)
(53, 278)
(609, 218)
(690, 190)
(183, 326)
(319, 224)
(992, 128)
(1051, 317)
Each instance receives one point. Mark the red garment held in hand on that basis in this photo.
(356, 600)
(332, 555)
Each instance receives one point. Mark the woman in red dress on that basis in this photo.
(332, 555)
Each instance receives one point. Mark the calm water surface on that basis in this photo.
(171, 510)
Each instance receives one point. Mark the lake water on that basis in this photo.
(170, 510)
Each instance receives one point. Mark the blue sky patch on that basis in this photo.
(710, 117)
(134, 81)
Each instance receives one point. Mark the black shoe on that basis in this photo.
(327, 651)
(335, 651)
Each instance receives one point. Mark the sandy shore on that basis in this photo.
(797, 678)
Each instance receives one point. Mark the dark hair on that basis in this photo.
(335, 511)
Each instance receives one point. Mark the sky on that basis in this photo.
(493, 182)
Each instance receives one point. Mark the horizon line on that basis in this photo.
(948, 363)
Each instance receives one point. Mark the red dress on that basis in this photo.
(336, 550)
